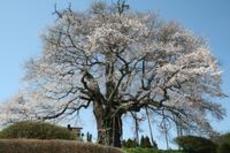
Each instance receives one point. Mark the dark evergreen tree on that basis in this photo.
(145, 142)
(89, 137)
(130, 143)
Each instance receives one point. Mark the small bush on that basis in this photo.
(52, 146)
(193, 144)
(36, 130)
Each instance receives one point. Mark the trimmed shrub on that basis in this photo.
(36, 130)
(194, 144)
(52, 146)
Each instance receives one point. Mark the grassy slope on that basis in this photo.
(61, 146)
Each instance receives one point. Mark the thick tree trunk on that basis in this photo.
(116, 131)
(109, 130)
(109, 126)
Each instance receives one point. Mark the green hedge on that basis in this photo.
(52, 146)
(224, 148)
(36, 130)
(223, 142)
(194, 144)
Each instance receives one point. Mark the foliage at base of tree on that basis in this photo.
(194, 144)
(36, 130)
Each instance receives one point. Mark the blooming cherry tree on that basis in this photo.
(116, 62)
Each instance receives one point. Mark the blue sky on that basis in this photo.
(23, 21)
